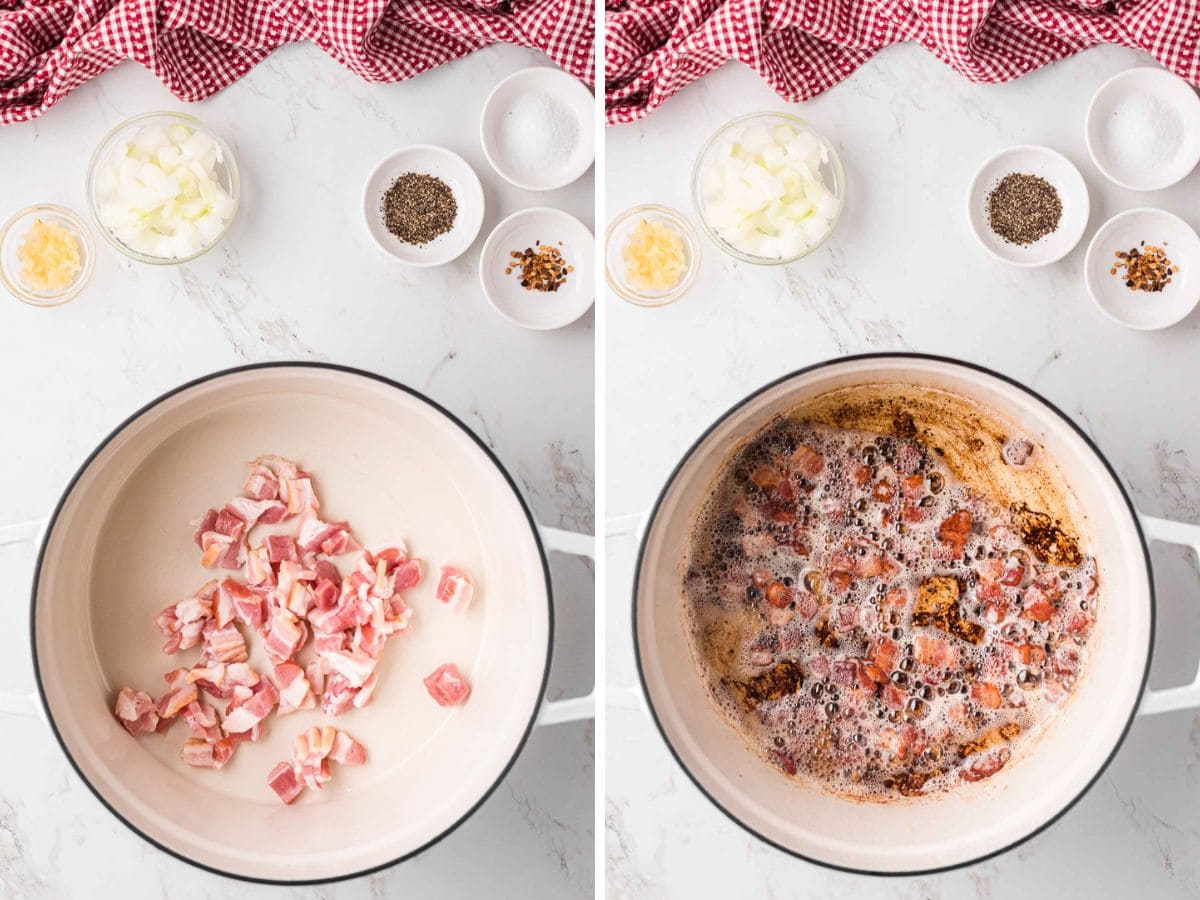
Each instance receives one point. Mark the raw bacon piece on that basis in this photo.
(205, 524)
(338, 696)
(136, 711)
(202, 719)
(330, 538)
(294, 690)
(454, 589)
(285, 636)
(225, 645)
(281, 547)
(355, 666)
(252, 512)
(347, 751)
(246, 712)
(447, 686)
(283, 781)
(247, 604)
(258, 567)
(300, 495)
(261, 483)
(407, 575)
(180, 692)
(206, 754)
(364, 693)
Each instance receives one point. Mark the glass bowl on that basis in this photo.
(13, 232)
(226, 172)
(614, 245)
(830, 171)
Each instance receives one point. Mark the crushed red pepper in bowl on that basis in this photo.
(1146, 268)
(541, 267)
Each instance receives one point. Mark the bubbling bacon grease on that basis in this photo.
(292, 591)
(870, 622)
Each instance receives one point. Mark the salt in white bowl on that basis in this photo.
(1123, 102)
(513, 134)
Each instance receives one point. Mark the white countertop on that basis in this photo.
(903, 272)
(296, 278)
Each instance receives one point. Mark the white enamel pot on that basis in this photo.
(975, 821)
(117, 549)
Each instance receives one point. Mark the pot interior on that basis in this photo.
(973, 820)
(121, 549)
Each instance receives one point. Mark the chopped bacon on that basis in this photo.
(300, 495)
(294, 690)
(202, 719)
(180, 692)
(261, 483)
(225, 645)
(206, 754)
(884, 653)
(245, 712)
(285, 636)
(136, 711)
(252, 512)
(447, 686)
(934, 651)
(284, 782)
(331, 538)
(258, 567)
(338, 695)
(280, 548)
(355, 666)
(807, 461)
(248, 606)
(347, 751)
(955, 529)
(1037, 605)
(983, 767)
(205, 524)
(986, 694)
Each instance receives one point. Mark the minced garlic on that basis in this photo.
(655, 258)
(49, 257)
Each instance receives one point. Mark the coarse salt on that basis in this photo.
(539, 133)
(1143, 133)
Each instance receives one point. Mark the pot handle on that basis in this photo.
(20, 533)
(572, 709)
(1185, 696)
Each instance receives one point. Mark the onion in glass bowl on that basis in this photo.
(163, 188)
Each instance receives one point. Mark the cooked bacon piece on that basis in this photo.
(984, 767)
(955, 529)
(294, 690)
(283, 781)
(245, 712)
(807, 461)
(986, 694)
(884, 653)
(933, 651)
(347, 751)
(1037, 604)
(456, 590)
(206, 754)
(136, 711)
(902, 742)
(447, 686)
(225, 645)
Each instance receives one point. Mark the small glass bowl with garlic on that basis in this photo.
(46, 255)
(652, 255)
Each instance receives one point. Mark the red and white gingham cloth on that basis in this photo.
(198, 47)
(803, 47)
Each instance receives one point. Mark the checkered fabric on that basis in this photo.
(198, 47)
(803, 47)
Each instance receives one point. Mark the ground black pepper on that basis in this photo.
(1023, 208)
(418, 208)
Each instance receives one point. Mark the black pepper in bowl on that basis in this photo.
(418, 207)
(1023, 208)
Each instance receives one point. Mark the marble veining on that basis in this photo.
(903, 272)
(296, 278)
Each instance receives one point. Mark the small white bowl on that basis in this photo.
(538, 310)
(1142, 310)
(563, 90)
(1072, 191)
(1152, 85)
(463, 183)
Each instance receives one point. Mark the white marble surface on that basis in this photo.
(295, 279)
(904, 272)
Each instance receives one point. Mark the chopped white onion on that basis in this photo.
(763, 192)
(159, 194)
